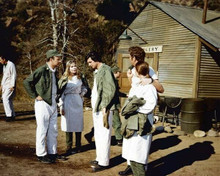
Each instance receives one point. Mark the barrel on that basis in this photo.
(192, 114)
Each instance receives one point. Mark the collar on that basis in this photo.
(5, 63)
(53, 70)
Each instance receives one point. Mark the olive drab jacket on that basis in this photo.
(39, 83)
(106, 88)
(134, 121)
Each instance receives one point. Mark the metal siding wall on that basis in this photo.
(209, 77)
(176, 62)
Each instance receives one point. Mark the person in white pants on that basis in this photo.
(103, 94)
(136, 148)
(8, 85)
(42, 85)
(137, 54)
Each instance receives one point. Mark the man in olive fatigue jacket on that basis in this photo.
(42, 86)
(103, 93)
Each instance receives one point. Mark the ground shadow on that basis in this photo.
(24, 115)
(113, 141)
(19, 151)
(174, 161)
(83, 148)
(164, 143)
(117, 160)
(20, 115)
(90, 135)
(25, 118)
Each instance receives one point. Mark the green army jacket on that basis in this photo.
(134, 121)
(39, 83)
(62, 84)
(106, 88)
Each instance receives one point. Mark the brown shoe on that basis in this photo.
(127, 171)
(97, 168)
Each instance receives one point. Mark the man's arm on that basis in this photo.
(129, 75)
(109, 89)
(158, 86)
(13, 76)
(29, 84)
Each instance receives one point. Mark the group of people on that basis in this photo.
(134, 134)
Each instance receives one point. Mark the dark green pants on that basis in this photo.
(137, 169)
(69, 139)
(116, 124)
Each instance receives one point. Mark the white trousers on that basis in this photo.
(7, 98)
(102, 137)
(47, 131)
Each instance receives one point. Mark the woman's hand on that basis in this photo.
(62, 111)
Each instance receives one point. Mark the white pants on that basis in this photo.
(137, 148)
(102, 137)
(7, 98)
(46, 132)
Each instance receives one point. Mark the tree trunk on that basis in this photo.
(64, 48)
(54, 13)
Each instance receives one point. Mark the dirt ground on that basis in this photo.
(170, 154)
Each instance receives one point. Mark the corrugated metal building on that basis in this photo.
(182, 50)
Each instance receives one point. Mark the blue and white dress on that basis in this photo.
(72, 103)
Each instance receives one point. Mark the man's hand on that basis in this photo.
(103, 111)
(129, 75)
(62, 111)
(12, 88)
(39, 98)
(105, 118)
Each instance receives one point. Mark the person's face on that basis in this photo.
(56, 61)
(132, 60)
(2, 61)
(92, 64)
(117, 75)
(73, 69)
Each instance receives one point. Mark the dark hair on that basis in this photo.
(142, 68)
(4, 56)
(137, 52)
(94, 56)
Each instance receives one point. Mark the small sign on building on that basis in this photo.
(153, 49)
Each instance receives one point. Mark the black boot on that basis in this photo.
(9, 119)
(127, 171)
(78, 142)
(89, 136)
(69, 142)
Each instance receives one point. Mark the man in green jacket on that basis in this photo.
(103, 93)
(42, 86)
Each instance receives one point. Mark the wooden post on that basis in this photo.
(204, 11)
(197, 63)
